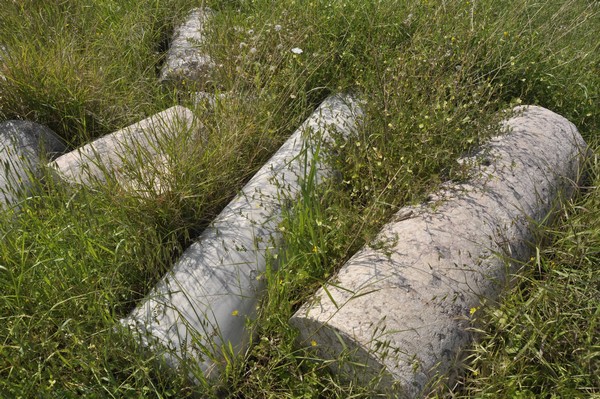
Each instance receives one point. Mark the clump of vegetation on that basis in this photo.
(435, 77)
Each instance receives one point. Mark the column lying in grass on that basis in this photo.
(186, 60)
(23, 145)
(136, 155)
(199, 309)
(401, 311)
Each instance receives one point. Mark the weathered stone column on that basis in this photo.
(186, 60)
(134, 150)
(200, 307)
(403, 309)
(23, 145)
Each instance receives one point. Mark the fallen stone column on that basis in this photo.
(201, 306)
(23, 145)
(402, 309)
(134, 151)
(185, 60)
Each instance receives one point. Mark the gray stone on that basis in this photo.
(23, 145)
(199, 308)
(133, 155)
(210, 100)
(186, 60)
(3, 55)
(402, 307)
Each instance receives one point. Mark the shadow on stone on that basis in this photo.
(24, 146)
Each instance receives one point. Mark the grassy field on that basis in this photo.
(435, 76)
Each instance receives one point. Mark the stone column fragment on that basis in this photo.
(199, 308)
(401, 308)
(136, 148)
(186, 60)
(23, 145)
(3, 53)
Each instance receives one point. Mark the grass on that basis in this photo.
(435, 76)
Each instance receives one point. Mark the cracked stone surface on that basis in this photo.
(403, 310)
(186, 60)
(202, 304)
(132, 155)
(23, 145)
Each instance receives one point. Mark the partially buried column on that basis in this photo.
(186, 60)
(23, 145)
(200, 307)
(402, 312)
(135, 155)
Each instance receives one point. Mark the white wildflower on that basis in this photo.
(277, 28)
(297, 50)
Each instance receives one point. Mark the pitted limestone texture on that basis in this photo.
(23, 145)
(186, 59)
(403, 310)
(133, 155)
(200, 307)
